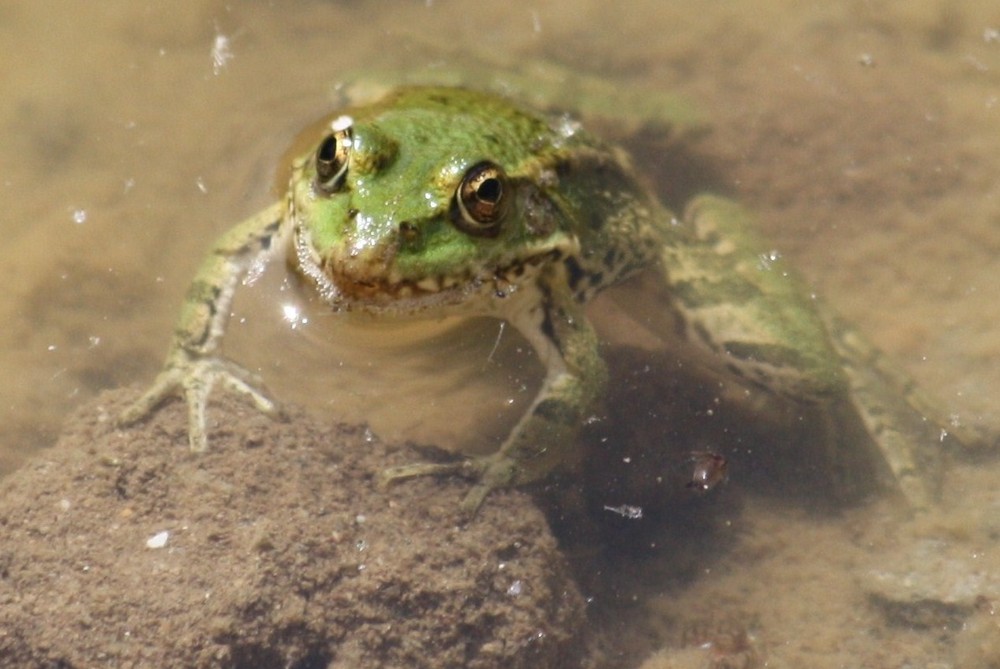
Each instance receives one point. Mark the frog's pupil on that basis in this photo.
(490, 190)
(331, 161)
(326, 156)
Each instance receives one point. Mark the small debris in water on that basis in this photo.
(222, 53)
(710, 470)
(626, 511)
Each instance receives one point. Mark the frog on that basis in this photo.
(439, 200)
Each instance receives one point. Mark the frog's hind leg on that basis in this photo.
(908, 428)
(742, 303)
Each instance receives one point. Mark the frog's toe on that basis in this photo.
(167, 384)
(247, 384)
(474, 499)
(494, 472)
(391, 475)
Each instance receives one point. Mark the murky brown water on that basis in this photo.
(865, 134)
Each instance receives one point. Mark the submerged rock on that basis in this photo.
(273, 549)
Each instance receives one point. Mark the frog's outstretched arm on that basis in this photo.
(542, 440)
(193, 365)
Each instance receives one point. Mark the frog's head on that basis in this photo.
(430, 196)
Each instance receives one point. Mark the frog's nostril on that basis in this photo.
(408, 232)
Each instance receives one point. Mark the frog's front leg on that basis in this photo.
(545, 435)
(193, 365)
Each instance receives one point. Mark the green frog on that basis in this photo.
(439, 200)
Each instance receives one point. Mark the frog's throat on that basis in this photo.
(396, 294)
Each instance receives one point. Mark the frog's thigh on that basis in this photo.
(741, 302)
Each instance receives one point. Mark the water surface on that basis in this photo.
(866, 136)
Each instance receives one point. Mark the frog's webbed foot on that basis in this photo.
(194, 378)
(490, 472)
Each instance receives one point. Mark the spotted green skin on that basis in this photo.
(576, 220)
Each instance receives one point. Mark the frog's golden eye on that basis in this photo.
(331, 160)
(481, 200)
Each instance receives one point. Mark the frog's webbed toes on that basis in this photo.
(194, 380)
(197, 384)
(489, 472)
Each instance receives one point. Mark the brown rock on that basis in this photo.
(279, 552)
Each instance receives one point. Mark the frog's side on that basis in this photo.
(438, 200)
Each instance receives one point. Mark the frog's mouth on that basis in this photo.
(342, 291)
(346, 286)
